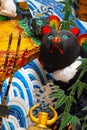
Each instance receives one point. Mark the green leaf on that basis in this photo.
(62, 115)
(85, 85)
(85, 108)
(84, 63)
(81, 86)
(83, 66)
(67, 26)
(70, 10)
(60, 101)
(64, 25)
(71, 23)
(66, 15)
(73, 89)
(73, 99)
(84, 126)
(83, 59)
(68, 104)
(81, 74)
(66, 120)
(65, 8)
(74, 120)
(58, 94)
(70, 1)
(85, 118)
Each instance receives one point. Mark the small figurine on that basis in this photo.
(8, 8)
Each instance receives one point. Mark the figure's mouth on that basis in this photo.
(56, 46)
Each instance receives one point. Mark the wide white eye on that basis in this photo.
(65, 37)
(51, 37)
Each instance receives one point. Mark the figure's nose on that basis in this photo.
(56, 39)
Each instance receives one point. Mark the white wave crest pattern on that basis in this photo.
(21, 95)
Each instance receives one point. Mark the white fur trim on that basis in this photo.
(67, 73)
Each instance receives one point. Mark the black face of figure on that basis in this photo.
(58, 50)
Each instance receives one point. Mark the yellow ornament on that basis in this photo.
(42, 121)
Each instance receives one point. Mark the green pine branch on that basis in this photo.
(67, 11)
(67, 100)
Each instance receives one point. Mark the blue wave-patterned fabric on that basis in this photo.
(21, 94)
